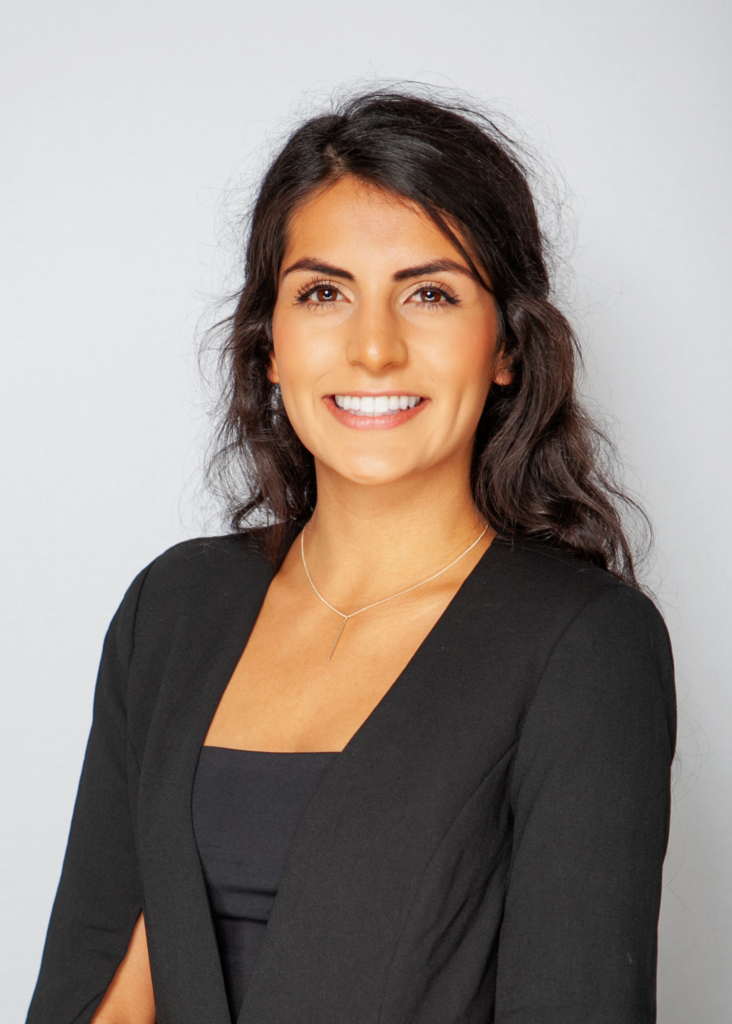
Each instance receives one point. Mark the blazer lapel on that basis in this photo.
(208, 642)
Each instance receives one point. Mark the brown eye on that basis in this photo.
(325, 294)
(430, 296)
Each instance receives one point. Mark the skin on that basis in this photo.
(394, 498)
(129, 999)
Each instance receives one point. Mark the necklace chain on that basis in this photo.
(384, 599)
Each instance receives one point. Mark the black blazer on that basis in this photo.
(487, 848)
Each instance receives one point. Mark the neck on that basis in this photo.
(365, 540)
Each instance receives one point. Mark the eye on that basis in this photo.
(324, 294)
(319, 293)
(431, 295)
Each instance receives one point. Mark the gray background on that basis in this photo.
(122, 125)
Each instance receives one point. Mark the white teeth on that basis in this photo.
(376, 405)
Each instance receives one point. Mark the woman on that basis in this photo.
(424, 703)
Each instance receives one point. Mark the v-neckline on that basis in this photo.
(425, 639)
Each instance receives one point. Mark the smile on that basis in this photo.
(376, 405)
(375, 412)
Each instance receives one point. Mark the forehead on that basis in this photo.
(357, 221)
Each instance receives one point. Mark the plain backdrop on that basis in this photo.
(129, 131)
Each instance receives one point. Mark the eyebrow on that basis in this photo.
(435, 267)
(319, 268)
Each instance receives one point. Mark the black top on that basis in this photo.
(246, 808)
(486, 848)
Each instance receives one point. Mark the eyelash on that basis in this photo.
(311, 286)
(432, 286)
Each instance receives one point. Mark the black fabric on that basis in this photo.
(486, 848)
(246, 808)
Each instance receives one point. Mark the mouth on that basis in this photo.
(375, 411)
(376, 405)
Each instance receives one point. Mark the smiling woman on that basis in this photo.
(455, 809)
(400, 314)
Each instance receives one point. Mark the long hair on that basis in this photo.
(540, 465)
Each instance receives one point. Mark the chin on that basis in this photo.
(373, 473)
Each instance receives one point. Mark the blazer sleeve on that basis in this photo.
(591, 795)
(99, 896)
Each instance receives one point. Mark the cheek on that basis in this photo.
(284, 338)
(465, 360)
(291, 349)
(301, 352)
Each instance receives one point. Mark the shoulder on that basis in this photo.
(545, 580)
(206, 572)
(204, 566)
(205, 553)
(573, 613)
(551, 567)
(192, 595)
(609, 647)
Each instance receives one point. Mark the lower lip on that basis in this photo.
(385, 422)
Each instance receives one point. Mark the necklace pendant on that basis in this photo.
(335, 642)
(375, 604)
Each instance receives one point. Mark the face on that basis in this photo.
(385, 344)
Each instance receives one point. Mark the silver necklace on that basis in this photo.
(384, 599)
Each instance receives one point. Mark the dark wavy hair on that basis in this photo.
(541, 468)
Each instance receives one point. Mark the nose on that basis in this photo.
(375, 341)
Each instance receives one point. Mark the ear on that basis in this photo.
(503, 373)
(272, 372)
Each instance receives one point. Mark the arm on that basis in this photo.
(129, 999)
(590, 794)
(99, 898)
